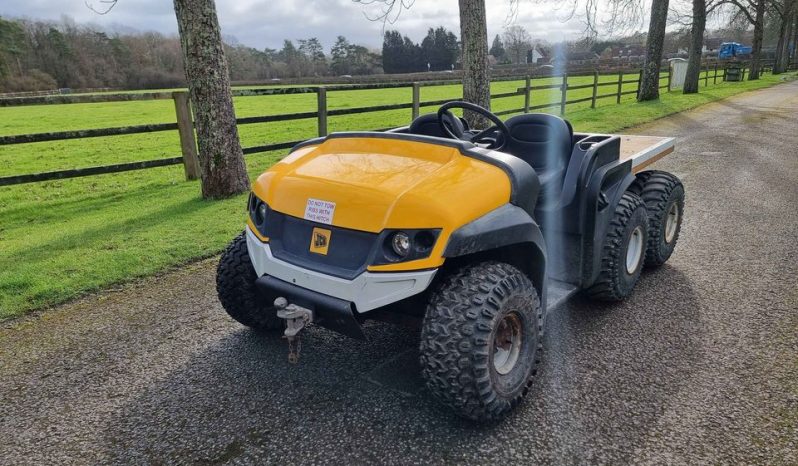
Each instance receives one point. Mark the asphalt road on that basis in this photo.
(700, 365)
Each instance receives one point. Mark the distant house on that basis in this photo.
(628, 53)
(576, 57)
(582, 57)
(537, 55)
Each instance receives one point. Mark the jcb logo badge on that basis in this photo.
(320, 241)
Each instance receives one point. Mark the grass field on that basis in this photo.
(61, 239)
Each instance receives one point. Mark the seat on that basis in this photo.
(427, 125)
(544, 142)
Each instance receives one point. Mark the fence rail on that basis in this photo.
(185, 126)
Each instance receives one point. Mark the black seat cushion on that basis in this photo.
(427, 125)
(543, 141)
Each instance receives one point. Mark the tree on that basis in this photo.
(786, 15)
(339, 55)
(497, 49)
(361, 60)
(412, 58)
(518, 42)
(794, 56)
(474, 37)
(297, 63)
(13, 47)
(696, 20)
(400, 54)
(474, 41)
(649, 84)
(351, 58)
(754, 12)
(313, 52)
(439, 48)
(696, 47)
(221, 159)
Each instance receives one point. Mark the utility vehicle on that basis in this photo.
(473, 234)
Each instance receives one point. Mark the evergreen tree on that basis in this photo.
(497, 49)
(339, 55)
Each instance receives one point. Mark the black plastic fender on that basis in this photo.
(509, 225)
(604, 192)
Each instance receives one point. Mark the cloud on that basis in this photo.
(265, 23)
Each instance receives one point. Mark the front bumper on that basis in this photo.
(367, 291)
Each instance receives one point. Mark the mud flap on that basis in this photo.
(329, 312)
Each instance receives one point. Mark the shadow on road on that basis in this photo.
(602, 378)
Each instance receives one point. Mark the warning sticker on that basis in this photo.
(320, 211)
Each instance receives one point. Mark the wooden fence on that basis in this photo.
(184, 124)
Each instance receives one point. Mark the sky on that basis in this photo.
(265, 23)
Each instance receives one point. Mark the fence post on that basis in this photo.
(185, 128)
(416, 100)
(527, 95)
(670, 75)
(595, 89)
(715, 78)
(706, 75)
(620, 87)
(742, 74)
(564, 90)
(322, 100)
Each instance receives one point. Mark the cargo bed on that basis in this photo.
(644, 150)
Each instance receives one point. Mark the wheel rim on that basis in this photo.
(635, 250)
(507, 343)
(671, 222)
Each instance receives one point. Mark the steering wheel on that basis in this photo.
(493, 143)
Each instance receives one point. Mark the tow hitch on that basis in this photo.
(296, 318)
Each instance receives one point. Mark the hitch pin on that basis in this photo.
(296, 318)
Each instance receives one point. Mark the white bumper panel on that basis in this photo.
(368, 290)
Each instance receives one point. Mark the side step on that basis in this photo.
(557, 293)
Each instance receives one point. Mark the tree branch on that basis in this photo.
(391, 10)
(110, 4)
(741, 9)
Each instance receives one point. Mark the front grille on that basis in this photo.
(348, 254)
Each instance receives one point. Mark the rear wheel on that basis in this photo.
(623, 253)
(481, 340)
(235, 285)
(663, 195)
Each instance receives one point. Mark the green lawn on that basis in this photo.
(61, 239)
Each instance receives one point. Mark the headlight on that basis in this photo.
(400, 243)
(260, 214)
(405, 245)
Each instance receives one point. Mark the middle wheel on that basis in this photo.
(624, 250)
(481, 340)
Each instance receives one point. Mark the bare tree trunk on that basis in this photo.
(474, 36)
(759, 31)
(785, 31)
(785, 35)
(649, 85)
(794, 56)
(221, 159)
(696, 44)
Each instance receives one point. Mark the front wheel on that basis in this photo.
(235, 286)
(481, 340)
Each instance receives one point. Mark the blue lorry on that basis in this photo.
(733, 50)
